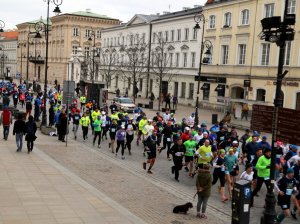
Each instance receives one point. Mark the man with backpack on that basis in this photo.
(6, 121)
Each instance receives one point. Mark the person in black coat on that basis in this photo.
(51, 115)
(178, 151)
(63, 126)
(19, 130)
(30, 130)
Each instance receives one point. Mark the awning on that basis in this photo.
(220, 87)
(205, 86)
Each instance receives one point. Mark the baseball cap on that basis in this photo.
(103, 112)
(187, 128)
(235, 142)
(264, 137)
(123, 127)
(222, 150)
(230, 150)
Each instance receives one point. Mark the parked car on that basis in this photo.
(125, 103)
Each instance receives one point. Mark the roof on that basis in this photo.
(9, 35)
(147, 18)
(188, 11)
(210, 2)
(88, 13)
(40, 20)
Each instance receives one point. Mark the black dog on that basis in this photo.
(183, 208)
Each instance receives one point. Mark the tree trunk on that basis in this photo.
(160, 91)
(134, 89)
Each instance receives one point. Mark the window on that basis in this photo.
(177, 59)
(123, 40)
(242, 54)
(265, 54)
(172, 35)
(167, 36)
(178, 34)
(171, 59)
(141, 85)
(298, 101)
(193, 57)
(195, 32)
(212, 22)
(75, 32)
(206, 90)
(186, 33)
(227, 19)
(191, 91)
(269, 10)
(176, 89)
(98, 34)
(86, 52)
(245, 17)
(224, 59)
(183, 88)
(74, 49)
(261, 95)
(87, 33)
(184, 60)
(287, 54)
(154, 37)
(291, 7)
(117, 81)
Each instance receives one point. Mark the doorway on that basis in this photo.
(165, 85)
(298, 101)
(237, 93)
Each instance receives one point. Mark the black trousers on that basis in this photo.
(104, 132)
(259, 183)
(129, 139)
(29, 145)
(97, 133)
(167, 144)
(168, 104)
(122, 144)
(177, 165)
(85, 132)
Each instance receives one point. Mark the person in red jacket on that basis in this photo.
(185, 135)
(6, 121)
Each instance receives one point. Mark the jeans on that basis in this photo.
(75, 129)
(19, 141)
(202, 203)
(5, 132)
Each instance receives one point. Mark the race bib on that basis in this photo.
(113, 130)
(222, 168)
(278, 156)
(226, 172)
(208, 154)
(178, 154)
(266, 178)
(252, 157)
(168, 139)
(222, 138)
(123, 123)
(284, 206)
(76, 118)
(289, 191)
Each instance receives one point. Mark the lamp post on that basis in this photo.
(204, 44)
(57, 12)
(21, 45)
(2, 25)
(276, 31)
(94, 55)
(3, 58)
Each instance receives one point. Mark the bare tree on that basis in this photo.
(108, 63)
(134, 65)
(161, 63)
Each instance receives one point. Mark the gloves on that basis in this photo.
(268, 167)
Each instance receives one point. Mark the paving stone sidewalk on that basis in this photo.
(34, 189)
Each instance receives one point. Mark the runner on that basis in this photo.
(141, 124)
(85, 122)
(151, 147)
(219, 173)
(178, 151)
(167, 138)
(130, 128)
(190, 146)
(76, 118)
(120, 135)
(97, 130)
(112, 134)
(231, 170)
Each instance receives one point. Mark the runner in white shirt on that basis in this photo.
(191, 120)
(148, 128)
(248, 173)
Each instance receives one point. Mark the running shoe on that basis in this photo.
(144, 165)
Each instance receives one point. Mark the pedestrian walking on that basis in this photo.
(6, 121)
(175, 102)
(178, 150)
(203, 184)
(63, 126)
(28, 107)
(30, 130)
(168, 101)
(18, 131)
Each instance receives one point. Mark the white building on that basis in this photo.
(181, 49)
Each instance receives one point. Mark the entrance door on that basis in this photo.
(298, 101)
(165, 85)
(39, 73)
(237, 93)
(176, 89)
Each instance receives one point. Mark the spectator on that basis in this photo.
(175, 102)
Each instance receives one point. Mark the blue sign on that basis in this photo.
(247, 192)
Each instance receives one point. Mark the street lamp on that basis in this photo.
(57, 12)
(3, 58)
(95, 56)
(21, 45)
(276, 31)
(2, 25)
(208, 46)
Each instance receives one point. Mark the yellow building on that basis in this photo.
(67, 33)
(240, 57)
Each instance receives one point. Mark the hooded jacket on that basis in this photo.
(261, 166)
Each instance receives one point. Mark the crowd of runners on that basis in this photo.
(215, 155)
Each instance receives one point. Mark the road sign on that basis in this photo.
(288, 122)
(69, 92)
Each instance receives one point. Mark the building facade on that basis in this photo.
(171, 56)
(246, 64)
(68, 32)
(8, 54)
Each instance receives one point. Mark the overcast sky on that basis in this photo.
(13, 12)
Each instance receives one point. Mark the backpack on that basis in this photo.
(30, 128)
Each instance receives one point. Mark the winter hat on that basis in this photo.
(290, 170)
